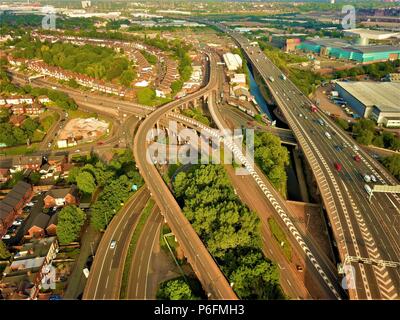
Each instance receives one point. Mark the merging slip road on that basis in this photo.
(361, 228)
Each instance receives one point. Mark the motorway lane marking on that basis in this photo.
(112, 237)
(277, 207)
(148, 262)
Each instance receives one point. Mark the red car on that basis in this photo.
(338, 166)
(100, 143)
(357, 158)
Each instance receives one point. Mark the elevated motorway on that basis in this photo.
(206, 269)
(361, 228)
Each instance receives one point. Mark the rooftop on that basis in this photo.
(386, 95)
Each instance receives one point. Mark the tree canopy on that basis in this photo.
(70, 222)
(175, 290)
(230, 231)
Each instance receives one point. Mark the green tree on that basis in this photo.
(73, 173)
(392, 163)
(4, 253)
(175, 290)
(127, 77)
(342, 123)
(85, 182)
(70, 222)
(34, 177)
(365, 137)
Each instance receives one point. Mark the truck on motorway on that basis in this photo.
(367, 178)
(271, 78)
(328, 135)
(283, 77)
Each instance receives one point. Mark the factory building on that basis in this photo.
(342, 49)
(232, 61)
(377, 100)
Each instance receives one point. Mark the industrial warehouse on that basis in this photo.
(378, 100)
(342, 49)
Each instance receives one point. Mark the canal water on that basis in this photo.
(255, 91)
(293, 188)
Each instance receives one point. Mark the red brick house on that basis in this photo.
(26, 162)
(17, 120)
(13, 203)
(60, 197)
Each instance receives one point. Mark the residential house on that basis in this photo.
(60, 197)
(43, 99)
(37, 228)
(17, 120)
(30, 268)
(51, 228)
(13, 100)
(57, 162)
(13, 203)
(4, 174)
(26, 162)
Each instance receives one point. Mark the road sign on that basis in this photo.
(386, 188)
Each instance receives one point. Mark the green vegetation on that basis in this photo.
(20, 150)
(17, 135)
(342, 123)
(279, 235)
(148, 97)
(115, 181)
(94, 61)
(197, 114)
(366, 134)
(70, 222)
(272, 158)
(175, 289)
(151, 58)
(132, 245)
(392, 163)
(86, 182)
(4, 253)
(306, 81)
(177, 48)
(375, 70)
(10, 22)
(230, 231)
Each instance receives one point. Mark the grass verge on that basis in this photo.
(280, 236)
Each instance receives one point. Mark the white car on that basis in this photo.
(373, 178)
(113, 244)
(6, 236)
(86, 272)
